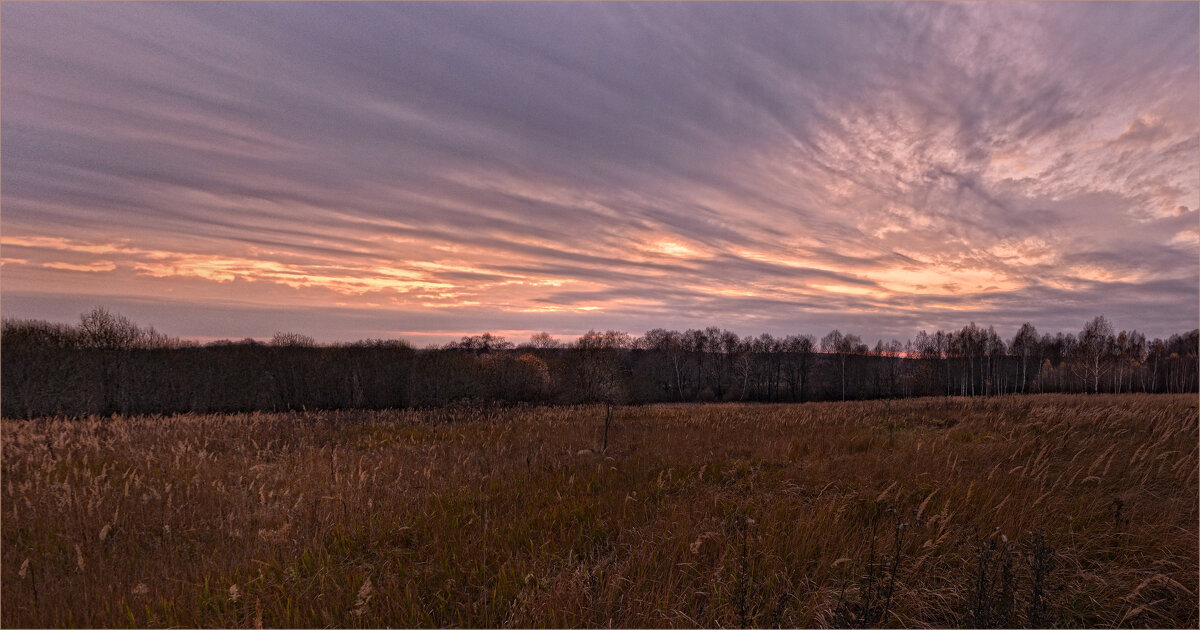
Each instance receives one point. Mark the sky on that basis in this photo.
(426, 171)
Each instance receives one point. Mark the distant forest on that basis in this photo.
(107, 364)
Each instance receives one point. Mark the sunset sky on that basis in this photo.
(426, 171)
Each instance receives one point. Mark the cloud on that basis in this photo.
(780, 167)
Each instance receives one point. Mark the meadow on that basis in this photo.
(1039, 510)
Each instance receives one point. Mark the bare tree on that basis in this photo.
(600, 374)
(113, 336)
(543, 341)
(480, 344)
(893, 351)
(994, 351)
(670, 343)
(1093, 351)
(1024, 345)
(292, 340)
(1130, 350)
(798, 352)
(100, 328)
(842, 346)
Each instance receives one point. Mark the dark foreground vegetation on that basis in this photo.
(108, 365)
(1040, 510)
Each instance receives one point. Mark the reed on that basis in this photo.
(1039, 510)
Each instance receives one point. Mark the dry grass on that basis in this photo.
(717, 515)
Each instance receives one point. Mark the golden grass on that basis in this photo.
(713, 515)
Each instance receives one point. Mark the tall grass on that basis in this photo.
(1039, 510)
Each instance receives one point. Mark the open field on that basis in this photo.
(1043, 510)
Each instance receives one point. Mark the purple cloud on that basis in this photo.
(427, 170)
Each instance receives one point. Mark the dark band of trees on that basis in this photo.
(107, 364)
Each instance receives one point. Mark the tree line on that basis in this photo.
(107, 364)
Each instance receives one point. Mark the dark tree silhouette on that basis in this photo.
(842, 346)
(107, 364)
